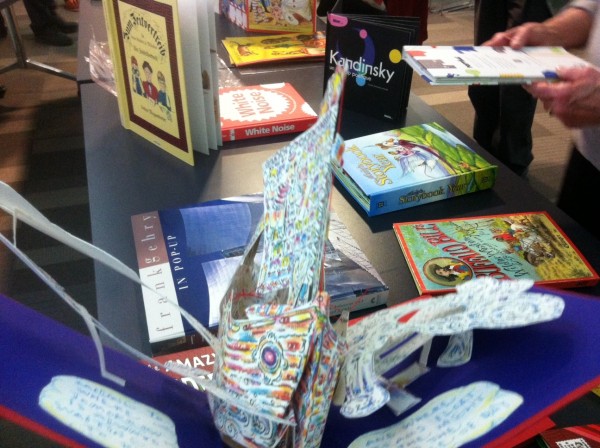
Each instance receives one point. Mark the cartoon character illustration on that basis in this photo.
(413, 158)
(277, 12)
(244, 49)
(136, 80)
(259, 9)
(150, 90)
(453, 272)
(163, 97)
(313, 40)
(296, 11)
(513, 244)
(525, 240)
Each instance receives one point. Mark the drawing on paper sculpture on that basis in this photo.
(277, 354)
(401, 330)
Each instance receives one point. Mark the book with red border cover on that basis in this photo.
(580, 436)
(443, 253)
(197, 358)
(265, 16)
(262, 111)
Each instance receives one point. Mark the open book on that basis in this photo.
(464, 64)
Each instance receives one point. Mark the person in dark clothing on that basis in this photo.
(3, 28)
(504, 114)
(47, 26)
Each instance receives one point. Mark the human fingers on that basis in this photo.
(576, 117)
(499, 40)
(585, 82)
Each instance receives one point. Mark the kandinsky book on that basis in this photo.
(370, 48)
(446, 252)
(410, 166)
(262, 111)
(191, 254)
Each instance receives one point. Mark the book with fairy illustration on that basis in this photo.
(410, 166)
(443, 253)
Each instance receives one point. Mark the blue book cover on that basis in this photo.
(410, 166)
(550, 364)
(190, 254)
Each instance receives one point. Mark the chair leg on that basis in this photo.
(22, 60)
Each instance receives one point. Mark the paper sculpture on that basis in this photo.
(449, 420)
(278, 357)
(385, 338)
(277, 350)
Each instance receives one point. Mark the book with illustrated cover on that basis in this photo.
(446, 252)
(272, 16)
(410, 166)
(197, 358)
(467, 64)
(263, 110)
(370, 48)
(159, 51)
(581, 436)
(250, 50)
(191, 253)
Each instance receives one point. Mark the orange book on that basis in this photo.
(443, 253)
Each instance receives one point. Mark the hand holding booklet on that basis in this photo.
(466, 64)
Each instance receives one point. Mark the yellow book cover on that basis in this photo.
(280, 47)
(145, 41)
(272, 16)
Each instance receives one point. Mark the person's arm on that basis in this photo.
(570, 28)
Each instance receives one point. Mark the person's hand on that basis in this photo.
(528, 34)
(574, 99)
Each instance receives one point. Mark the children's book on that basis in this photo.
(370, 48)
(443, 253)
(272, 16)
(197, 358)
(467, 64)
(410, 166)
(159, 49)
(583, 436)
(190, 255)
(250, 50)
(262, 111)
